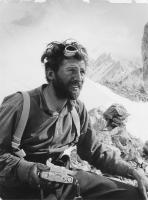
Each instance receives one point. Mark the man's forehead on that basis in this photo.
(73, 62)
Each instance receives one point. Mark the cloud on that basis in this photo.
(40, 1)
(120, 1)
(86, 1)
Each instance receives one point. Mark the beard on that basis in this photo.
(69, 90)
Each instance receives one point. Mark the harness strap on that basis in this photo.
(16, 140)
(76, 120)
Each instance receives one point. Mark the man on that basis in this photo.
(50, 130)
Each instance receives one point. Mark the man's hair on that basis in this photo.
(54, 54)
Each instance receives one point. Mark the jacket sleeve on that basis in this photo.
(10, 112)
(97, 154)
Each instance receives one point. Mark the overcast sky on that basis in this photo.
(100, 25)
(26, 27)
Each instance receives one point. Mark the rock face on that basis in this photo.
(118, 138)
(106, 68)
(124, 77)
(144, 49)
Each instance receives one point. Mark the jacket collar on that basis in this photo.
(70, 103)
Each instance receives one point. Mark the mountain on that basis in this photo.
(144, 52)
(124, 77)
(133, 79)
(106, 68)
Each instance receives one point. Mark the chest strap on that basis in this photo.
(76, 120)
(16, 140)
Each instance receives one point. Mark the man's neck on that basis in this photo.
(53, 102)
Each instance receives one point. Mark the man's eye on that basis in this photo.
(72, 70)
(83, 72)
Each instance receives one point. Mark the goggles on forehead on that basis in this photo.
(70, 50)
(71, 47)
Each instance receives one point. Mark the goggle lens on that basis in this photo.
(70, 50)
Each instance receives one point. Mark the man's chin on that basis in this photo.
(74, 95)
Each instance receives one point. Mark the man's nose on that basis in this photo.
(78, 76)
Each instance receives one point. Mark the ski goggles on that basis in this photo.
(72, 47)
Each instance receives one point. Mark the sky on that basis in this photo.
(100, 25)
(27, 26)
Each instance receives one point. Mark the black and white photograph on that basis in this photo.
(73, 99)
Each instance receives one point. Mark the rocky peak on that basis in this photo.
(124, 77)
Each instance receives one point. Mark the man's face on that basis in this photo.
(69, 79)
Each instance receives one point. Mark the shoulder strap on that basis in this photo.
(16, 140)
(76, 120)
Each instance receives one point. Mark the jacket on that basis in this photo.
(47, 133)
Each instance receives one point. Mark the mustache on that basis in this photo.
(75, 82)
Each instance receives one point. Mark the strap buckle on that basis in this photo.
(20, 153)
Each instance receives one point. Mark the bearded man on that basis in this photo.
(51, 129)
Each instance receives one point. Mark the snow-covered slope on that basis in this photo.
(95, 95)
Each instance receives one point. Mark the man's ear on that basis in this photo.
(50, 74)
